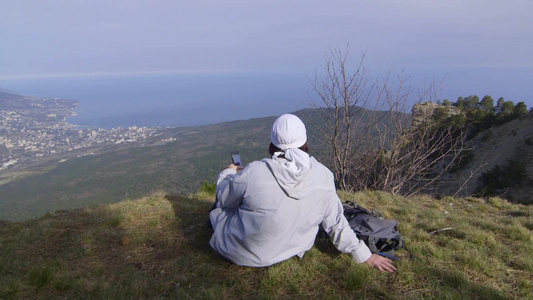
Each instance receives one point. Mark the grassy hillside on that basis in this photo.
(179, 167)
(157, 247)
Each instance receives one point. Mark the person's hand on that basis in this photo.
(381, 263)
(235, 167)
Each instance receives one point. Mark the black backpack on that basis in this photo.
(380, 235)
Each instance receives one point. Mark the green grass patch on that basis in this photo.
(157, 247)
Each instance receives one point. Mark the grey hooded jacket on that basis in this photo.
(269, 213)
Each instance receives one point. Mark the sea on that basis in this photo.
(171, 100)
(181, 100)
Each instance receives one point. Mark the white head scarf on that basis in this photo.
(288, 134)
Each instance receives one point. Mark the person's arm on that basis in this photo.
(227, 194)
(345, 239)
(340, 232)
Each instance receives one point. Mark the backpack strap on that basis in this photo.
(388, 255)
(372, 241)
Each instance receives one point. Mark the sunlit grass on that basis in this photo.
(157, 247)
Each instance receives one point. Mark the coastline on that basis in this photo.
(170, 100)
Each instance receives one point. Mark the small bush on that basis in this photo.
(486, 136)
(209, 188)
(464, 160)
(40, 277)
(492, 182)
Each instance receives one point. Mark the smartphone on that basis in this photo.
(236, 158)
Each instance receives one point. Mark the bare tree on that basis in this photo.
(373, 142)
(417, 158)
(343, 97)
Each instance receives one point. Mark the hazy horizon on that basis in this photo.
(467, 47)
(168, 99)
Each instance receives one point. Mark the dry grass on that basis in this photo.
(157, 247)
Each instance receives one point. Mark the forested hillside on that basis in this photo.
(179, 167)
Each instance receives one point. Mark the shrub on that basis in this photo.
(209, 188)
(464, 160)
(499, 177)
(486, 136)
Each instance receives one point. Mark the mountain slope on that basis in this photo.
(494, 147)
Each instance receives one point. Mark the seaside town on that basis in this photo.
(32, 128)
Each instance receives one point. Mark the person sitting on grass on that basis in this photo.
(272, 209)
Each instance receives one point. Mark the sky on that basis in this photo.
(469, 47)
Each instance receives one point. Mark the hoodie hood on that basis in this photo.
(292, 182)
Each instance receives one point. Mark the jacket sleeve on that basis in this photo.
(227, 193)
(340, 232)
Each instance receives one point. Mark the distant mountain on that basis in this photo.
(6, 96)
(6, 91)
